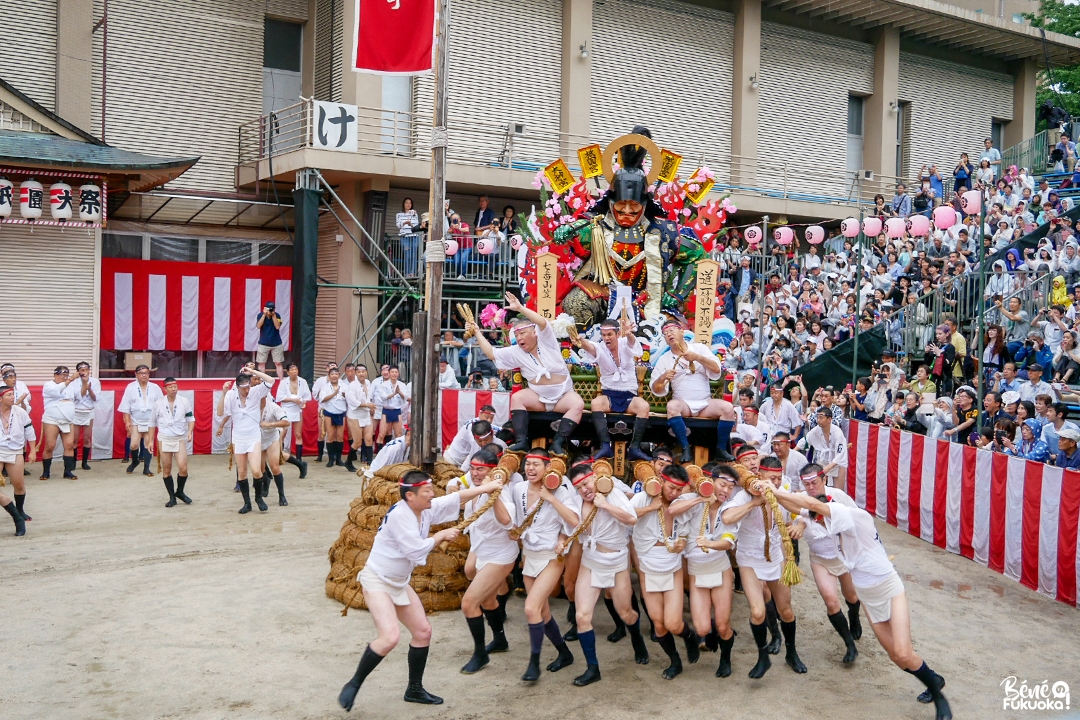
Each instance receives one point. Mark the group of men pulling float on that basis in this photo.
(678, 526)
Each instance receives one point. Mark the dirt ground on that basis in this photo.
(117, 607)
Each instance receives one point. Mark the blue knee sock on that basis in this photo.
(723, 434)
(588, 647)
(551, 629)
(678, 426)
(536, 637)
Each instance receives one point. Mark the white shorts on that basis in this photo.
(697, 406)
(877, 599)
(762, 568)
(835, 566)
(602, 575)
(709, 573)
(268, 443)
(60, 417)
(9, 457)
(83, 417)
(277, 352)
(172, 444)
(361, 416)
(658, 582)
(481, 563)
(550, 395)
(535, 562)
(378, 414)
(242, 446)
(369, 581)
(143, 420)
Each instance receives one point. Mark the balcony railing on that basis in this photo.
(391, 133)
(406, 252)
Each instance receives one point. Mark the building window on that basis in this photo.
(855, 107)
(175, 249)
(122, 247)
(228, 252)
(281, 64)
(1018, 18)
(278, 254)
(903, 130)
(997, 133)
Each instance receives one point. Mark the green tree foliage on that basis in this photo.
(1062, 85)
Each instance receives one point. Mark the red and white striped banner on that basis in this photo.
(457, 407)
(162, 305)
(1017, 517)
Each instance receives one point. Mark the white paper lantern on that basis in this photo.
(90, 203)
(450, 247)
(60, 201)
(485, 245)
(31, 196)
(5, 197)
(516, 241)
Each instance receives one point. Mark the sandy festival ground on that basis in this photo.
(117, 607)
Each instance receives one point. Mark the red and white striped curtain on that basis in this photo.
(1015, 516)
(164, 305)
(457, 407)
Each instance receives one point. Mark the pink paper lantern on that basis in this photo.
(850, 228)
(944, 217)
(753, 235)
(784, 235)
(971, 202)
(516, 241)
(815, 234)
(918, 225)
(485, 246)
(871, 226)
(895, 228)
(450, 247)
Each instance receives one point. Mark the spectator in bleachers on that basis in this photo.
(993, 156)
(1068, 154)
(963, 173)
(408, 225)
(459, 231)
(1035, 385)
(1067, 455)
(901, 202)
(984, 175)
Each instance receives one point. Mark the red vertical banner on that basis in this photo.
(394, 37)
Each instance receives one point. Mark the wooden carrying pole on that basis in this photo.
(435, 256)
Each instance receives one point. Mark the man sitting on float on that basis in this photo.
(539, 358)
(685, 370)
(614, 357)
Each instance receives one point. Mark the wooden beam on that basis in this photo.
(836, 9)
(881, 18)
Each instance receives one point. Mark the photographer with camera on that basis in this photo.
(269, 324)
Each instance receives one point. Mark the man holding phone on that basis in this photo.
(269, 324)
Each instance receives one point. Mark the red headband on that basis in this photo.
(481, 463)
(6, 389)
(676, 481)
(538, 457)
(583, 478)
(750, 408)
(746, 450)
(402, 483)
(810, 476)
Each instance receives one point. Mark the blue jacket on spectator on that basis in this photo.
(1029, 356)
(1068, 462)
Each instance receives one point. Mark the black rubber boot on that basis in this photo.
(565, 658)
(532, 672)
(349, 460)
(495, 619)
(839, 623)
(86, 457)
(693, 644)
(712, 639)
(791, 656)
(69, 468)
(259, 493)
(337, 459)
(571, 617)
(634, 451)
(20, 505)
(591, 675)
(934, 683)
(773, 621)
(854, 619)
(667, 642)
(724, 669)
(331, 448)
(641, 651)
(480, 656)
(181, 481)
(924, 697)
(145, 454)
(368, 662)
(279, 481)
(246, 492)
(134, 462)
(320, 445)
(761, 634)
(415, 692)
(620, 626)
(604, 449)
(16, 516)
(562, 436)
(519, 420)
(172, 491)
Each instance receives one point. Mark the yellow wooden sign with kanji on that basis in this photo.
(592, 161)
(559, 176)
(669, 165)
